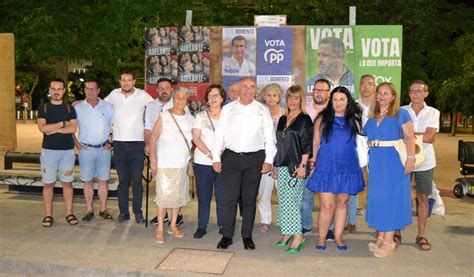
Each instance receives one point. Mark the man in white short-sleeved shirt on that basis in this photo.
(129, 143)
(426, 123)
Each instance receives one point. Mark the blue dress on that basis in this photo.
(337, 165)
(388, 198)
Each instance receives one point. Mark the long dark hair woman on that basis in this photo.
(336, 172)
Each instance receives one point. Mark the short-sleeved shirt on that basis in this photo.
(129, 113)
(94, 123)
(55, 114)
(365, 111)
(153, 110)
(428, 117)
(203, 123)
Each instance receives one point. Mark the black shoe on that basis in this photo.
(105, 215)
(304, 230)
(179, 220)
(248, 244)
(154, 221)
(123, 217)
(330, 235)
(224, 243)
(139, 219)
(199, 233)
(88, 217)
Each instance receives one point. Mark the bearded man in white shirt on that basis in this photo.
(244, 148)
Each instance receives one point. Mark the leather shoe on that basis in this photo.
(139, 219)
(123, 217)
(224, 243)
(248, 244)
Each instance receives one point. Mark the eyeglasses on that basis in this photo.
(56, 89)
(383, 94)
(416, 91)
(366, 84)
(214, 95)
(315, 90)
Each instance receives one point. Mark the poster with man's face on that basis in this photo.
(238, 51)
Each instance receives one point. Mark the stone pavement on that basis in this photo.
(102, 248)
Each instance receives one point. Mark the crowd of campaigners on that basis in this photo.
(244, 148)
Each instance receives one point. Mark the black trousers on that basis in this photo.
(128, 160)
(241, 174)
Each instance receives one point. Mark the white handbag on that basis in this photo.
(362, 150)
(401, 148)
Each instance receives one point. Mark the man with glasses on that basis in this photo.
(321, 90)
(237, 64)
(426, 123)
(57, 122)
(163, 103)
(94, 121)
(331, 65)
(129, 143)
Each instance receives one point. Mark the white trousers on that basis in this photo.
(265, 198)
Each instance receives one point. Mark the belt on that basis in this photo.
(96, 145)
(383, 143)
(243, 153)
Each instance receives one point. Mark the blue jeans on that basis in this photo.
(307, 205)
(128, 160)
(352, 209)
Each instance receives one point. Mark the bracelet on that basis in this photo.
(411, 157)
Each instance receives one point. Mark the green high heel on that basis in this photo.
(297, 249)
(282, 243)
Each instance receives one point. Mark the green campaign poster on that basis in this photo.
(330, 55)
(378, 51)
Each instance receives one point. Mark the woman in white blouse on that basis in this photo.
(170, 144)
(207, 179)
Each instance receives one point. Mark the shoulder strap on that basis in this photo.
(182, 134)
(212, 124)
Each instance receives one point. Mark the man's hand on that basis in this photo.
(266, 167)
(147, 149)
(108, 146)
(217, 166)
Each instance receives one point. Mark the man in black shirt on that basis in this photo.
(57, 122)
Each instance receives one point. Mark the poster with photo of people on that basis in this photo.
(193, 54)
(239, 50)
(161, 54)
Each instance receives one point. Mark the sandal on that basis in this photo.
(423, 243)
(381, 253)
(47, 221)
(71, 219)
(159, 237)
(264, 228)
(397, 238)
(373, 245)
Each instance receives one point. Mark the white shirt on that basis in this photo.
(231, 66)
(245, 128)
(427, 117)
(207, 136)
(365, 111)
(128, 125)
(172, 151)
(94, 123)
(153, 110)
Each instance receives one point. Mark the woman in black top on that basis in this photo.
(294, 148)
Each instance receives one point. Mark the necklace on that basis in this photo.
(384, 112)
(341, 124)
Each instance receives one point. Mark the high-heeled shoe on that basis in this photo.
(283, 243)
(297, 249)
(159, 238)
(373, 245)
(381, 253)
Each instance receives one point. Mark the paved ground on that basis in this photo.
(102, 248)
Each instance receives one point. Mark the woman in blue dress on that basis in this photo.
(388, 199)
(337, 173)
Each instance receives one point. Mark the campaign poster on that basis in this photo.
(161, 54)
(330, 56)
(193, 54)
(284, 81)
(231, 87)
(239, 51)
(379, 53)
(274, 52)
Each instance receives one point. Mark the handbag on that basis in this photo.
(191, 158)
(401, 148)
(362, 150)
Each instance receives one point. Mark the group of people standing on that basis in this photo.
(246, 148)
